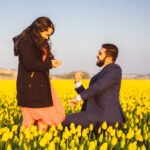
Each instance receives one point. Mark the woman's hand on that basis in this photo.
(56, 63)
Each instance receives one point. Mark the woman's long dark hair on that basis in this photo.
(39, 25)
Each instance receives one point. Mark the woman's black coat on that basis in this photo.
(33, 86)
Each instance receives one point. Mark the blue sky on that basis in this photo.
(82, 26)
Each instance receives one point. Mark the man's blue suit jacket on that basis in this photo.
(102, 97)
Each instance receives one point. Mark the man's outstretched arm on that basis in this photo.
(110, 78)
(77, 80)
(79, 87)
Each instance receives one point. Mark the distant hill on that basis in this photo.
(137, 76)
(12, 74)
(70, 75)
(8, 73)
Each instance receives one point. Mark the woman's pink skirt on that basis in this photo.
(49, 115)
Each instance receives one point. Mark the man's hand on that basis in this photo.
(73, 102)
(78, 76)
(56, 63)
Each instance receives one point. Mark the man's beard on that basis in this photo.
(100, 63)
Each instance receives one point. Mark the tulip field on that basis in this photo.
(134, 135)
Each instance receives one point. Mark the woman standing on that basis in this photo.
(35, 94)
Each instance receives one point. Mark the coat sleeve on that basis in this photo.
(80, 89)
(110, 78)
(30, 59)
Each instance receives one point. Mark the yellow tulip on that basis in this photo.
(122, 144)
(114, 141)
(10, 135)
(143, 147)
(99, 130)
(116, 125)
(104, 125)
(14, 128)
(76, 140)
(101, 138)
(113, 132)
(132, 146)
(81, 147)
(60, 127)
(130, 134)
(9, 147)
(51, 146)
(104, 146)
(91, 127)
(109, 129)
(84, 133)
(72, 144)
(139, 138)
(72, 125)
(92, 145)
(53, 127)
(125, 126)
(5, 137)
(35, 144)
(119, 134)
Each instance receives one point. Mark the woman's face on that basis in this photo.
(46, 34)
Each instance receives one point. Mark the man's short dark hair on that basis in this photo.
(111, 50)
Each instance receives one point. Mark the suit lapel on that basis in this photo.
(94, 78)
(100, 73)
